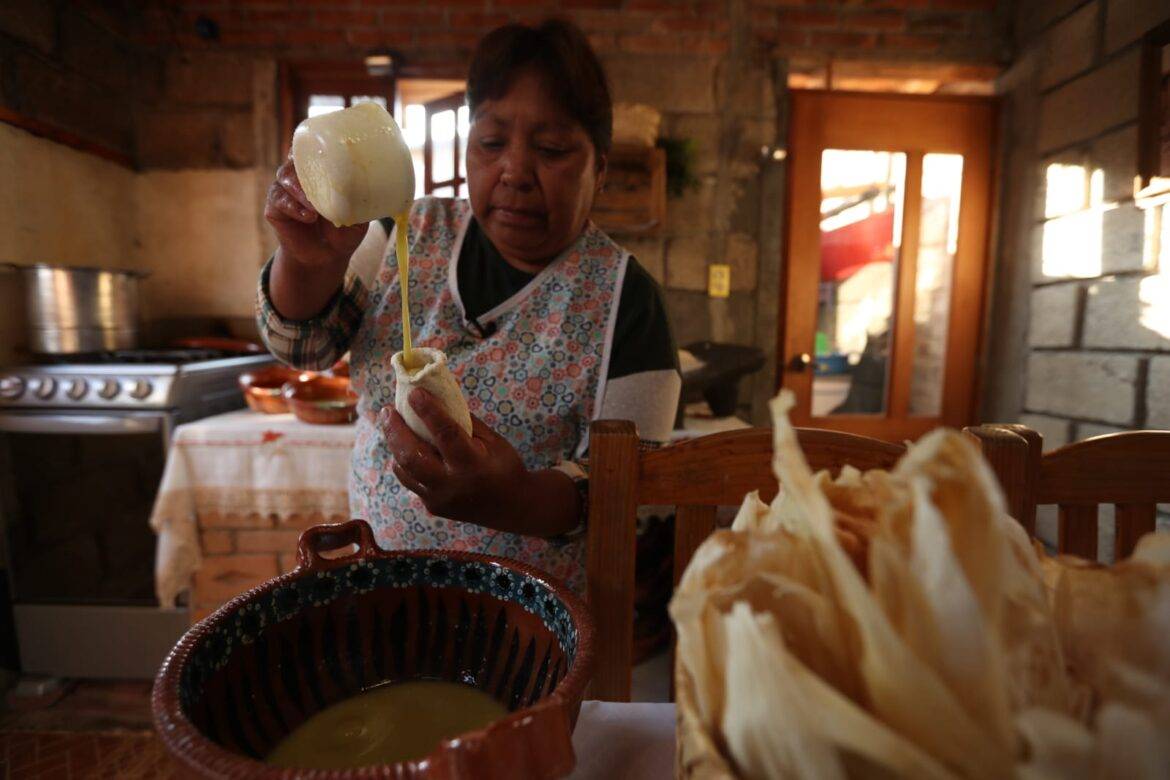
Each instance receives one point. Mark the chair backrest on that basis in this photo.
(1130, 470)
(696, 476)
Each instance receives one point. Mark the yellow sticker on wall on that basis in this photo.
(719, 280)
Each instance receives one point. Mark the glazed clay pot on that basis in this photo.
(249, 674)
(264, 389)
(322, 400)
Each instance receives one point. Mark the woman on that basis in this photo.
(547, 323)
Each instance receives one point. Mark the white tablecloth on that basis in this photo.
(243, 462)
(615, 741)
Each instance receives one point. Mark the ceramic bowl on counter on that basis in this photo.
(258, 667)
(322, 400)
(264, 389)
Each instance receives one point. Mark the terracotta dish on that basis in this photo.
(322, 400)
(254, 670)
(264, 389)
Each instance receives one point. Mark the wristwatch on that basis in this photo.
(581, 483)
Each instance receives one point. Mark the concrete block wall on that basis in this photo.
(72, 66)
(1096, 297)
(1079, 339)
(200, 114)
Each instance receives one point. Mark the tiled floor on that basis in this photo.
(70, 755)
(95, 730)
(94, 706)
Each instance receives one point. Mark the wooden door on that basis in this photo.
(886, 260)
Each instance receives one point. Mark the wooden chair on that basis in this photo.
(697, 476)
(1130, 470)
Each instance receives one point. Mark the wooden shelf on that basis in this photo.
(634, 199)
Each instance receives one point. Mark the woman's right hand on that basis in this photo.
(306, 238)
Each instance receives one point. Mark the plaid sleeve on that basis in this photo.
(314, 344)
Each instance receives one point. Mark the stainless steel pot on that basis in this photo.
(73, 310)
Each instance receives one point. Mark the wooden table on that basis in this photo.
(237, 491)
(623, 741)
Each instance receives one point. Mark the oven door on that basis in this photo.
(76, 492)
(80, 490)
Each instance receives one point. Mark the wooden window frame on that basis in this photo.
(451, 102)
(1152, 185)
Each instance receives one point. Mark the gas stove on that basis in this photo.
(132, 380)
(83, 444)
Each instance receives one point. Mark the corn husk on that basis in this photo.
(901, 624)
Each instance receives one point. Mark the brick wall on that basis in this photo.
(442, 30)
(1085, 274)
(74, 67)
(242, 551)
(200, 113)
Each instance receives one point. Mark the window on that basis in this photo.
(431, 113)
(435, 121)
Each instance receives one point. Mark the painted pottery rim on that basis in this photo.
(189, 747)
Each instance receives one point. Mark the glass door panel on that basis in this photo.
(938, 240)
(860, 240)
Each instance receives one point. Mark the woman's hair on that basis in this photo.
(560, 54)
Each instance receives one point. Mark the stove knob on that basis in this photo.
(141, 389)
(109, 389)
(77, 389)
(11, 387)
(45, 388)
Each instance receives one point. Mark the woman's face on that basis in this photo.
(532, 173)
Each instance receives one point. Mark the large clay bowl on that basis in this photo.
(322, 400)
(263, 389)
(250, 673)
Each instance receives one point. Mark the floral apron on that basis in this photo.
(534, 370)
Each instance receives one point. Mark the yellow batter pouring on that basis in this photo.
(400, 722)
(402, 220)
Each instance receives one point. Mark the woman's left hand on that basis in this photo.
(460, 477)
(475, 479)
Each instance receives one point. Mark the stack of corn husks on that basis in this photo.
(900, 624)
